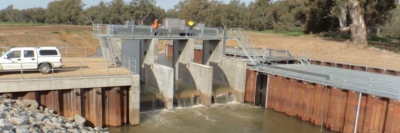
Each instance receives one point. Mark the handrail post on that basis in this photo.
(52, 72)
(22, 72)
(108, 70)
(81, 69)
(124, 61)
(129, 69)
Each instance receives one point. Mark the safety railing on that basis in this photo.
(68, 51)
(263, 52)
(136, 31)
(385, 62)
(71, 68)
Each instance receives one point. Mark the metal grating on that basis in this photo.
(365, 82)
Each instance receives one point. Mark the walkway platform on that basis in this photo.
(73, 67)
(365, 82)
(147, 32)
(268, 55)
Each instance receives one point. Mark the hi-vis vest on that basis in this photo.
(191, 23)
(155, 25)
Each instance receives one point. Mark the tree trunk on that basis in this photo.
(343, 18)
(357, 28)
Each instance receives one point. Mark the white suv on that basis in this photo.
(31, 58)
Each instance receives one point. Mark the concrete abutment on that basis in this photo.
(103, 101)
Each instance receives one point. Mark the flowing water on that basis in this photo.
(219, 118)
(223, 116)
(222, 93)
(185, 95)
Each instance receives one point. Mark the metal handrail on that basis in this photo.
(74, 67)
(69, 51)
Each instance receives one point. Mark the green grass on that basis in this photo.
(55, 32)
(1, 39)
(10, 24)
(286, 33)
(68, 31)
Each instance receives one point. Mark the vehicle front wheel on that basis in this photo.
(45, 68)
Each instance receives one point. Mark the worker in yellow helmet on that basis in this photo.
(191, 25)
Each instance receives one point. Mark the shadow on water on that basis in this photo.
(219, 118)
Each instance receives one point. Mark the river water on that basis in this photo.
(219, 118)
(230, 117)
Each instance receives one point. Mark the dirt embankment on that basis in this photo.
(67, 36)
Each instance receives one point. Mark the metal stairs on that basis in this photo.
(110, 51)
(243, 40)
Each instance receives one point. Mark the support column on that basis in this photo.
(148, 54)
(183, 54)
(212, 51)
(164, 77)
(131, 55)
(202, 76)
(134, 101)
(233, 73)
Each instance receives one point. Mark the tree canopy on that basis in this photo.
(309, 16)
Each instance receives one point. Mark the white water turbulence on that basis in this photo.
(232, 117)
(223, 93)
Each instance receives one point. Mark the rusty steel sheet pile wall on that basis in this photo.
(251, 79)
(169, 49)
(100, 106)
(198, 56)
(334, 108)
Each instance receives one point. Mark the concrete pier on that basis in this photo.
(225, 70)
(195, 75)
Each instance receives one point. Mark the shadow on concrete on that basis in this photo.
(185, 76)
(218, 74)
(150, 91)
(208, 50)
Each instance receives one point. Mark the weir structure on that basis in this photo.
(141, 43)
(340, 96)
(104, 96)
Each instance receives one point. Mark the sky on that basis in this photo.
(23, 4)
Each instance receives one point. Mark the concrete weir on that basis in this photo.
(226, 70)
(195, 75)
(103, 101)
